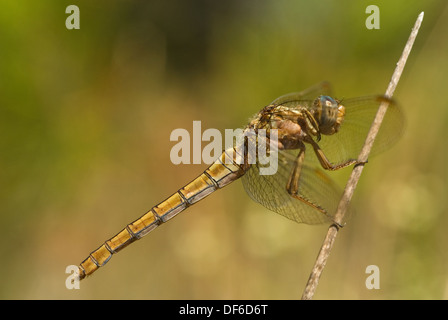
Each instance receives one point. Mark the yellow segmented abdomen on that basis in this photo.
(218, 175)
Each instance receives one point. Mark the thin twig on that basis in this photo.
(357, 170)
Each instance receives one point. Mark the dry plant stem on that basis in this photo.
(357, 170)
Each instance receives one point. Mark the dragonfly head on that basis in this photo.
(329, 114)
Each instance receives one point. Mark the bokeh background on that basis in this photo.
(85, 123)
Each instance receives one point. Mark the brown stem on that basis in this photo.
(325, 250)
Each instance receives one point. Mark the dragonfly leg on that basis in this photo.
(293, 183)
(326, 164)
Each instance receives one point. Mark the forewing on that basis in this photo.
(360, 113)
(314, 184)
(311, 93)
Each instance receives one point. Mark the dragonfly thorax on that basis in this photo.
(329, 114)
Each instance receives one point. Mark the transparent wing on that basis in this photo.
(360, 112)
(314, 185)
(311, 93)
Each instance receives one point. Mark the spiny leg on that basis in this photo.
(326, 164)
(293, 183)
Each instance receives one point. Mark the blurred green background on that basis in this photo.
(85, 123)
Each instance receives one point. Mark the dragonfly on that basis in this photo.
(315, 133)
